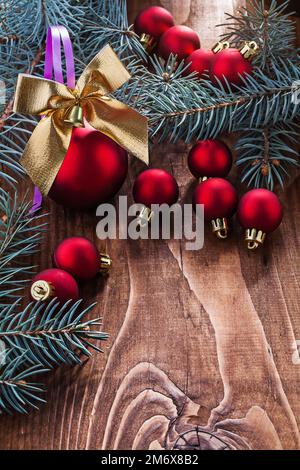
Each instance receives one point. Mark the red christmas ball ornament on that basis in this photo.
(52, 283)
(209, 158)
(259, 213)
(220, 199)
(199, 61)
(230, 64)
(178, 40)
(153, 21)
(80, 257)
(92, 172)
(154, 186)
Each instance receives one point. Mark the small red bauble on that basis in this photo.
(80, 257)
(220, 199)
(231, 64)
(218, 196)
(155, 186)
(259, 212)
(199, 61)
(54, 283)
(153, 21)
(178, 40)
(209, 158)
(92, 172)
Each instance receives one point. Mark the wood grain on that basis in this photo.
(201, 346)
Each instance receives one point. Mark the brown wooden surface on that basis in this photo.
(197, 338)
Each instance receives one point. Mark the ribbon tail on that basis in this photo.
(45, 152)
(121, 123)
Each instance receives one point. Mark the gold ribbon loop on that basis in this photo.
(61, 106)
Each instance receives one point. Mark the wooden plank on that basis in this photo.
(201, 342)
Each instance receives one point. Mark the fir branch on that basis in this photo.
(15, 132)
(271, 28)
(210, 109)
(20, 233)
(15, 57)
(108, 24)
(17, 393)
(50, 334)
(162, 78)
(28, 20)
(14, 129)
(266, 154)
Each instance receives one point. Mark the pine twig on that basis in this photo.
(50, 334)
(20, 234)
(17, 393)
(265, 155)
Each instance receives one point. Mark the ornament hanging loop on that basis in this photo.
(249, 49)
(202, 179)
(148, 42)
(254, 238)
(42, 290)
(219, 46)
(144, 217)
(220, 228)
(105, 263)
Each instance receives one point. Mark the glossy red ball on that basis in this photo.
(230, 63)
(209, 158)
(179, 40)
(199, 61)
(218, 196)
(153, 21)
(260, 209)
(155, 186)
(79, 257)
(65, 286)
(92, 172)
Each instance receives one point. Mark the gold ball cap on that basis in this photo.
(220, 228)
(254, 238)
(42, 290)
(105, 263)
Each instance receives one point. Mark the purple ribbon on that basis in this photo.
(56, 36)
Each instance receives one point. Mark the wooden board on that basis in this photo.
(201, 344)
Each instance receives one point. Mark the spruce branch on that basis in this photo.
(108, 24)
(20, 234)
(50, 334)
(14, 129)
(210, 109)
(271, 28)
(17, 392)
(28, 20)
(14, 134)
(15, 57)
(266, 154)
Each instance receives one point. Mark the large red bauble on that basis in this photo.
(230, 63)
(79, 257)
(64, 285)
(218, 197)
(179, 40)
(260, 209)
(92, 172)
(155, 187)
(209, 158)
(200, 61)
(153, 21)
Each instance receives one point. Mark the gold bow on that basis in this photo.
(61, 106)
